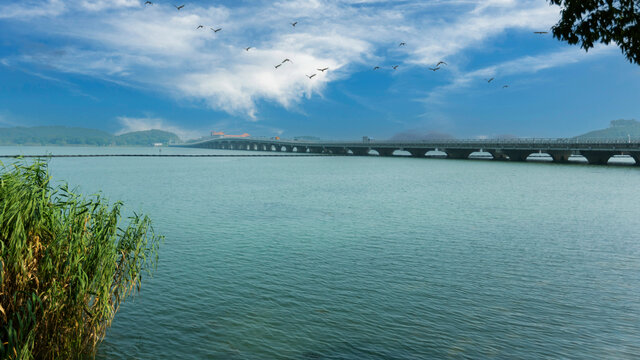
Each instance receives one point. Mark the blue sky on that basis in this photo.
(118, 65)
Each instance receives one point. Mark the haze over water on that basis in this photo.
(376, 258)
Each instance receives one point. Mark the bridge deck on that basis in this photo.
(596, 151)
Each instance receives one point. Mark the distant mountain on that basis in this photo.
(60, 135)
(147, 137)
(617, 129)
(417, 136)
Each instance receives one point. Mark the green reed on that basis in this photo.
(66, 264)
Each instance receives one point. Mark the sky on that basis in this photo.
(121, 65)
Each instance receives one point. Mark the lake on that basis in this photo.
(373, 258)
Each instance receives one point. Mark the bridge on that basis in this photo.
(596, 151)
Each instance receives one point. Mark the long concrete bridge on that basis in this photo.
(597, 151)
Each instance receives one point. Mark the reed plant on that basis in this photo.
(66, 264)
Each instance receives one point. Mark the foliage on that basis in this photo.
(60, 135)
(65, 265)
(590, 21)
(147, 137)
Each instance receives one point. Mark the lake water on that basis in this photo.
(374, 258)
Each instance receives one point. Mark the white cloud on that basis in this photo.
(158, 47)
(30, 9)
(522, 65)
(130, 124)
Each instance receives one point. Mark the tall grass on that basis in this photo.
(66, 264)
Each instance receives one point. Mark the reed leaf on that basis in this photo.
(66, 264)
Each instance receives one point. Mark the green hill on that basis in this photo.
(147, 137)
(60, 135)
(617, 129)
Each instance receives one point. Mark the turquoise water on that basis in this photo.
(376, 258)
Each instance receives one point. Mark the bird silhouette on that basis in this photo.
(247, 49)
(441, 63)
(216, 30)
(376, 68)
(505, 86)
(285, 60)
(490, 80)
(277, 66)
(148, 3)
(179, 7)
(540, 32)
(402, 44)
(435, 68)
(323, 70)
(200, 27)
(311, 76)
(395, 67)
(294, 23)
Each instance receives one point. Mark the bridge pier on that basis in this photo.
(315, 149)
(337, 150)
(595, 157)
(418, 152)
(517, 155)
(360, 151)
(301, 149)
(498, 155)
(457, 153)
(385, 151)
(636, 156)
(560, 156)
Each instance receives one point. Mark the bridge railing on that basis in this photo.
(629, 142)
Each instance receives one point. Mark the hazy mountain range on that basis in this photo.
(617, 129)
(60, 135)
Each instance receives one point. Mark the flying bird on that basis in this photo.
(200, 27)
(376, 68)
(216, 30)
(402, 44)
(435, 68)
(311, 76)
(490, 80)
(179, 7)
(506, 86)
(285, 60)
(294, 23)
(277, 66)
(323, 70)
(441, 63)
(540, 32)
(247, 49)
(395, 67)
(148, 3)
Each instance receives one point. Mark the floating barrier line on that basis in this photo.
(162, 155)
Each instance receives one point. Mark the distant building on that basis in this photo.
(220, 134)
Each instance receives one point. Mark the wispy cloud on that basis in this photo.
(159, 47)
(130, 124)
(31, 9)
(522, 65)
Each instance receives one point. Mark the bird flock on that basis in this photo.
(437, 66)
